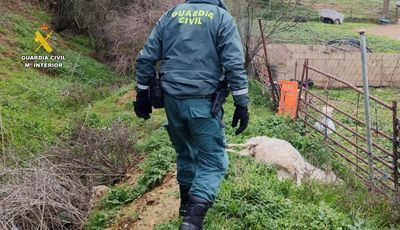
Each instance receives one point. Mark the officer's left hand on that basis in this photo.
(142, 106)
(241, 114)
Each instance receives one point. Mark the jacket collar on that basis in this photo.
(219, 3)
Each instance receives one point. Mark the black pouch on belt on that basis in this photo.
(156, 93)
(219, 97)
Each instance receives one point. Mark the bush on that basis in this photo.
(160, 160)
(53, 192)
(99, 155)
(42, 196)
(120, 27)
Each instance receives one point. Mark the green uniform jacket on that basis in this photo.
(196, 43)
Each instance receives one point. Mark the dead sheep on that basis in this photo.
(325, 124)
(288, 161)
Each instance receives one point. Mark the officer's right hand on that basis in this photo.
(142, 106)
(241, 114)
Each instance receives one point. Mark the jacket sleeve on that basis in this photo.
(148, 57)
(231, 54)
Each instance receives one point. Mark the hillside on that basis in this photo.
(41, 109)
(38, 105)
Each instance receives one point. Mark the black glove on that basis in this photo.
(241, 114)
(142, 106)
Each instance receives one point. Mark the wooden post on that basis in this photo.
(306, 95)
(301, 88)
(274, 92)
(351, 13)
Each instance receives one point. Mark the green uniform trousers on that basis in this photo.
(199, 141)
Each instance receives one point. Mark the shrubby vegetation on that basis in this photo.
(118, 29)
(49, 154)
(53, 189)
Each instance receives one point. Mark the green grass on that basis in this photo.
(358, 10)
(252, 197)
(39, 106)
(154, 144)
(381, 118)
(347, 100)
(355, 10)
(32, 109)
(319, 33)
(78, 43)
(156, 165)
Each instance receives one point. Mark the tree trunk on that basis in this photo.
(386, 9)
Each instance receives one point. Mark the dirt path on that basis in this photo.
(392, 31)
(155, 207)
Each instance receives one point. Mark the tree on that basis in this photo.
(118, 28)
(278, 17)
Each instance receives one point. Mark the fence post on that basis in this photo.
(367, 104)
(301, 88)
(306, 94)
(395, 146)
(274, 92)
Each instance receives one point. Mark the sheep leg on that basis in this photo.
(241, 145)
(232, 151)
(299, 178)
(237, 146)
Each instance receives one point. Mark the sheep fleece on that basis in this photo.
(289, 162)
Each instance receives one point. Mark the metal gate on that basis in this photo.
(347, 137)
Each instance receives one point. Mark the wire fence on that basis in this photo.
(384, 68)
(338, 115)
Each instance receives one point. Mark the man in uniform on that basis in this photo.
(197, 44)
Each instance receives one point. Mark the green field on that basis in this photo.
(320, 33)
(354, 10)
(359, 14)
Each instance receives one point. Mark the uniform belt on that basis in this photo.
(209, 97)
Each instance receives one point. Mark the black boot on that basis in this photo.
(184, 194)
(196, 212)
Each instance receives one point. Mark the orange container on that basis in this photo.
(288, 100)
